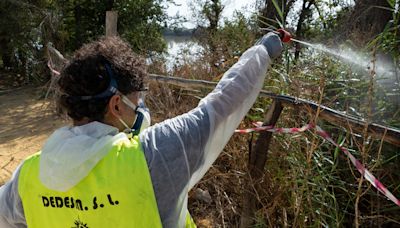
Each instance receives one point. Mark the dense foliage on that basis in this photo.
(27, 26)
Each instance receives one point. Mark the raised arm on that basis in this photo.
(180, 150)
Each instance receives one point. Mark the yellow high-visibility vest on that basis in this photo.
(117, 193)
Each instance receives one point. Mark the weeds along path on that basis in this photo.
(26, 121)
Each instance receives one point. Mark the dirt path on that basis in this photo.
(25, 123)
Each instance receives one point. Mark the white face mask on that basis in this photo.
(142, 119)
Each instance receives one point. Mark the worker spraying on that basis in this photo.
(110, 168)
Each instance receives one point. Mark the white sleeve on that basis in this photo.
(11, 210)
(229, 102)
(180, 150)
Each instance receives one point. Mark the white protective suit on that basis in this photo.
(178, 151)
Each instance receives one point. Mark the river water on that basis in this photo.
(180, 50)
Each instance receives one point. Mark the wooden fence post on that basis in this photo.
(111, 23)
(258, 157)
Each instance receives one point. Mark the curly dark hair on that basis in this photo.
(86, 75)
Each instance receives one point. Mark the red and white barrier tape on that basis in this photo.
(360, 167)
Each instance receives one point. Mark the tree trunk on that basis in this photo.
(78, 27)
(304, 15)
(367, 20)
(213, 13)
(109, 5)
(5, 54)
(216, 10)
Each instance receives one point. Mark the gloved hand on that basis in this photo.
(273, 44)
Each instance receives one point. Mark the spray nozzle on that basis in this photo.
(284, 35)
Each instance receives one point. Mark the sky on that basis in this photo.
(182, 8)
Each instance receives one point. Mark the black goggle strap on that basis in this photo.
(138, 122)
(111, 89)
